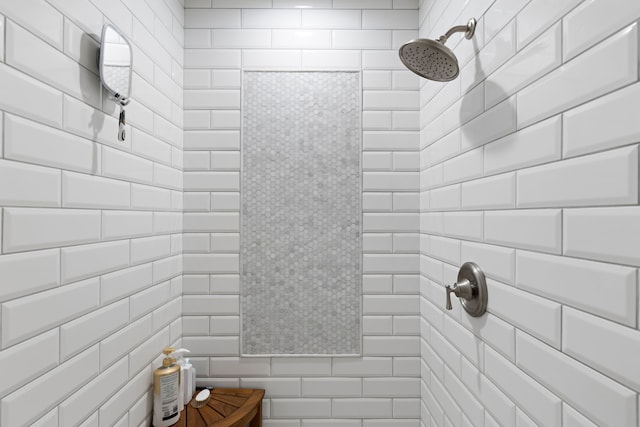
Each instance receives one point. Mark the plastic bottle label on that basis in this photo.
(169, 395)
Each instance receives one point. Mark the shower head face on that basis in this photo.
(430, 59)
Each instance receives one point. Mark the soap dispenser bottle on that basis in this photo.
(185, 376)
(166, 391)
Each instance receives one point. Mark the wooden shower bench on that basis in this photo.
(227, 407)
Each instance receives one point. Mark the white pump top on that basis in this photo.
(179, 356)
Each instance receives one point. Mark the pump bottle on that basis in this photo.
(166, 391)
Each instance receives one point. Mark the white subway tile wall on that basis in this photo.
(91, 258)
(529, 167)
(224, 39)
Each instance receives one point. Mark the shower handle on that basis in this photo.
(462, 289)
(471, 288)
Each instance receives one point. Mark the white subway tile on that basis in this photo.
(49, 389)
(391, 346)
(492, 124)
(125, 282)
(377, 161)
(145, 197)
(573, 418)
(29, 272)
(495, 53)
(330, 59)
(197, 38)
(226, 79)
(376, 79)
(86, 400)
(20, 90)
(382, 60)
(464, 167)
(390, 141)
(19, 323)
(271, 18)
(390, 304)
(82, 119)
(225, 201)
(34, 143)
(211, 58)
(241, 38)
(445, 148)
(91, 328)
(29, 360)
(604, 234)
(121, 165)
(305, 4)
(538, 16)
(406, 202)
(38, 186)
(541, 317)
(386, 19)
(301, 408)
(224, 325)
(444, 249)
(531, 63)
(360, 4)
(80, 47)
(81, 262)
(362, 408)
(119, 403)
(125, 340)
(602, 399)
(150, 248)
(602, 18)
(197, 79)
(602, 123)
(331, 19)
(581, 330)
(149, 299)
(534, 145)
(406, 120)
(611, 64)
(85, 191)
(463, 397)
(35, 57)
(212, 222)
(396, 222)
(361, 39)
(212, 140)
(123, 224)
(212, 181)
(331, 387)
(212, 18)
(464, 225)
(534, 399)
(528, 229)
(211, 263)
(580, 284)
(27, 229)
(225, 119)
(445, 198)
(390, 181)
(497, 262)
(362, 367)
(377, 325)
(301, 39)
(390, 100)
(391, 387)
(563, 183)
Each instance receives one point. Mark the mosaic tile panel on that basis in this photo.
(301, 213)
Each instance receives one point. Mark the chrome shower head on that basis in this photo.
(431, 59)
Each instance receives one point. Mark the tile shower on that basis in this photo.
(526, 164)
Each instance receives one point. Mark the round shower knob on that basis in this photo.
(471, 288)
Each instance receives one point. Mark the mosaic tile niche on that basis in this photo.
(301, 213)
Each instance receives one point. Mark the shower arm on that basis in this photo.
(468, 29)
